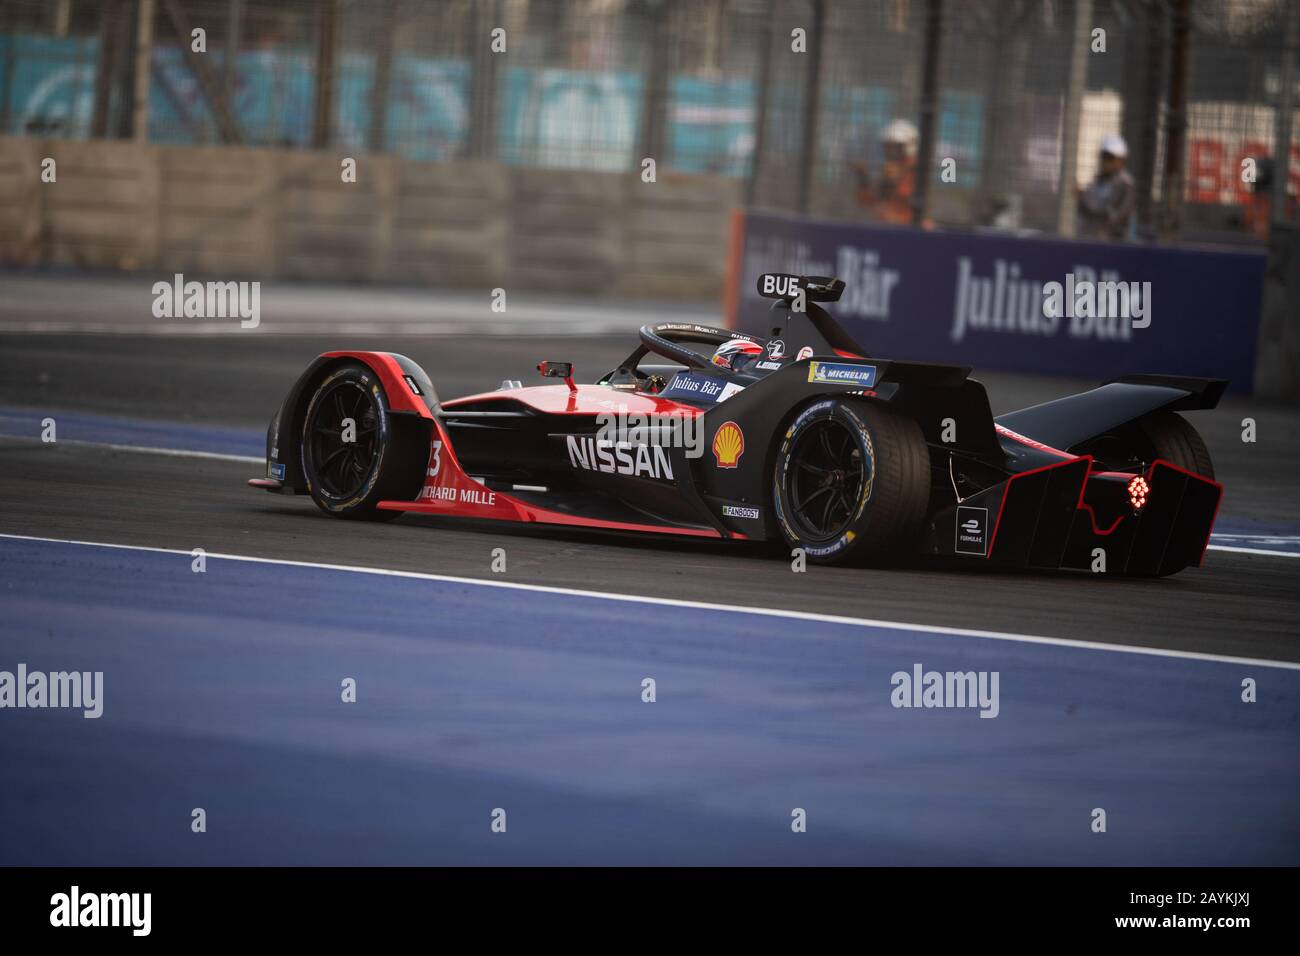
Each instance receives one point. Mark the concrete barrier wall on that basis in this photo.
(231, 212)
(20, 201)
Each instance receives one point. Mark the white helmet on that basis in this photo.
(1114, 145)
(734, 353)
(901, 132)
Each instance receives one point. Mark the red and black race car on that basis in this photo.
(798, 437)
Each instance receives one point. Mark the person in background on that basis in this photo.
(1106, 205)
(889, 196)
(1257, 212)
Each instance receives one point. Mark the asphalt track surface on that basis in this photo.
(222, 687)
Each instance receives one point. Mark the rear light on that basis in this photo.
(1138, 490)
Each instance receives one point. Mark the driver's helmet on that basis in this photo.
(736, 353)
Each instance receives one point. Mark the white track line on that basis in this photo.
(179, 452)
(1237, 550)
(1260, 535)
(695, 605)
(259, 460)
(173, 452)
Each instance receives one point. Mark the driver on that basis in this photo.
(736, 354)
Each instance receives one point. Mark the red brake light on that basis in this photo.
(1138, 491)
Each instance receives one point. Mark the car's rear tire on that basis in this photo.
(1171, 437)
(1164, 435)
(1161, 435)
(851, 481)
(348, 479)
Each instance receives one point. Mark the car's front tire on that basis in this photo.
(349, 470)
(851, 481)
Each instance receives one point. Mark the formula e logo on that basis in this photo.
(619, 458)
(728, 444)
(775, 349)
(972, 531)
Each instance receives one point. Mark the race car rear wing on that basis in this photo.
(1070, 421)
(1201, 392)
(796, 299)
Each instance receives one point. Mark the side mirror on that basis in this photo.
(562, 370)
(555, 369)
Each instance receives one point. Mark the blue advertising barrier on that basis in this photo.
(978, 299)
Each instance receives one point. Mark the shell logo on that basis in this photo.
(728, 444)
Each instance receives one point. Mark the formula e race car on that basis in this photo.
(797, 437)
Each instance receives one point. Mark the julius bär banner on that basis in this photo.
(1017, 303)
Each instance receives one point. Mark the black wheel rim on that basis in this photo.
(341, 469)
(825, 479)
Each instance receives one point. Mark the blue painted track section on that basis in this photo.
(222, 691)
(108, 429)
(1250, 533)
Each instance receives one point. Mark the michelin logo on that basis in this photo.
(864, 375)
